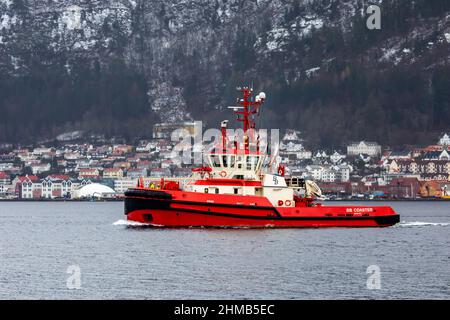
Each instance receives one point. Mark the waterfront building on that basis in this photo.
(434, 189)
(93, 190)
(122, 185)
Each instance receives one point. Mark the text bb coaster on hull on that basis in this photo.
(238, 189)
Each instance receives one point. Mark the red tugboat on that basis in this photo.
(236, 190)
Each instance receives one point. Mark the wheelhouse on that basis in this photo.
(236, 162)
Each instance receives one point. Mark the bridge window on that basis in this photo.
(257, 163)
(232, 161)
(249, 163)
(215, 161)
(224, 160)
(239, 162)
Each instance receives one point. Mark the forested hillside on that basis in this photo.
(117, 66)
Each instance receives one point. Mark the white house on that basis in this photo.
(336, 157)
(291, 135)
(291, 147)
(6, 166)
(121, 185)
(146, 147)
(345, 171)
(372, 149)
(445, 140)
(339, 173)
(330, 175)
(315, 171)
(27, 190)
(50, 189)
(5, 189)
(41, 151)
(40, 168)
(444, 155)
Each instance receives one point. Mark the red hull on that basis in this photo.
(187, 209)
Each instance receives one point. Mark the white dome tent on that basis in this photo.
(94, 190)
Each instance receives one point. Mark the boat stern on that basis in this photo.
(382, 216)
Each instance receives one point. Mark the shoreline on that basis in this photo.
(122, 199)
(62, 200)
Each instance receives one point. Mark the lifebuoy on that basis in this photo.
(288, 203)
(223, 174)
(280, 203)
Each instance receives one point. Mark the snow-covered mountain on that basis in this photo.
(192, 53)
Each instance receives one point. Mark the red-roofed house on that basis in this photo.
(4, 178)
(23, 186)
(58, 177)
(121, 149)
(20, 179)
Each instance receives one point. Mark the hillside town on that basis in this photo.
(102, 168)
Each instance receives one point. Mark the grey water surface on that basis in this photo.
(42, 243)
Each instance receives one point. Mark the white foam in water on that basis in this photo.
(422, 224)
(403, 224)
(122, 222)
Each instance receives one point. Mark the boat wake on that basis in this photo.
(405, 224)
(129, 223)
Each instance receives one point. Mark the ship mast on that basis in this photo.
(248, 108)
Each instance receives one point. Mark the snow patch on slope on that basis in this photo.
(276, 38)
(71, 18)
(7, 3)
(6, 21)
(447, 37)
(83, 27)
(312, 71)
(133, 3)
(168, 101)
(279, 36)
(310, 23)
